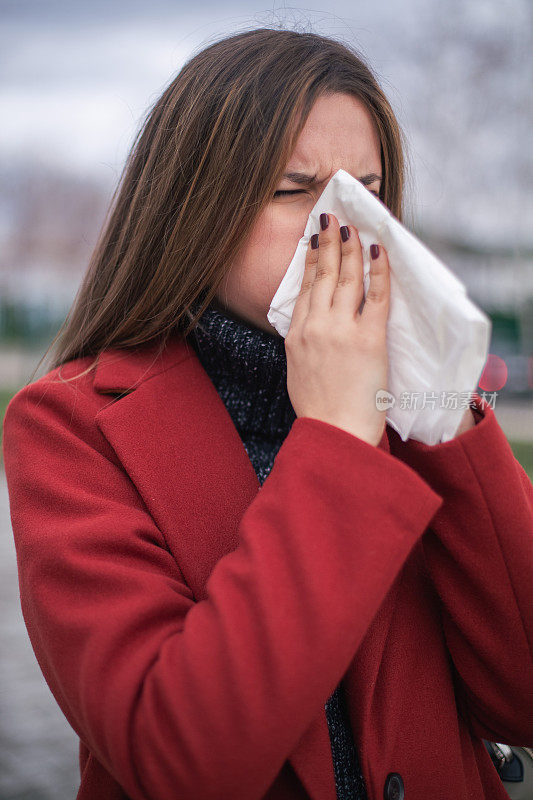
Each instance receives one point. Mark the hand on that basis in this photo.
(337, 357)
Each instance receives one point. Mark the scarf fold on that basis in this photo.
(248, 367)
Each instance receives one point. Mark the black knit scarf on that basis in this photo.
(248, 367)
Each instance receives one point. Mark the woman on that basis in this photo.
(237, 580)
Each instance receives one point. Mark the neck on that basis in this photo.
(248, 367)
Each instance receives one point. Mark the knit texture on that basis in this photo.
(248, 368)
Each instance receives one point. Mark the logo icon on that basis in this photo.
(384, 399)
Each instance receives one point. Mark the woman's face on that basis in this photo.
(339, 134)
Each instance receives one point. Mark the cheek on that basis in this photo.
(256, 273)
(270, 247)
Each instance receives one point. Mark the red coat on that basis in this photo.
(191, 625)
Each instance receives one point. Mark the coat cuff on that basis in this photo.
(484, 446)
(378, 484)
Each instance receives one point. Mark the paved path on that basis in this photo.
(516, 418)
(38, 748)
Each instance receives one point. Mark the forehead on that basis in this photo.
(338, 133)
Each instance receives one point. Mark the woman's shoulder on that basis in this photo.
(53, 412)
(87, 384)
(65, 394)
(66, 401)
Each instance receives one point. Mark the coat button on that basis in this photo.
(393, 789)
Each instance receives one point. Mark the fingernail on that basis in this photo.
(345, 233)
(324, 221)
(314, 241)
(374, 251)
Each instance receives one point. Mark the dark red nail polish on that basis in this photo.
(374, 251)
(314, 241)
(324, 221)
(345, 233)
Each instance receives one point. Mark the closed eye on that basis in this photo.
(302, 191)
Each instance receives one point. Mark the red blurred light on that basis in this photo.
(494, 375)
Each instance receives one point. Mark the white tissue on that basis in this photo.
(437, 339)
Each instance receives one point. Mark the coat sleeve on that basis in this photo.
(479, 553)
(177, 698)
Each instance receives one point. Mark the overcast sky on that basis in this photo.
(76, 78)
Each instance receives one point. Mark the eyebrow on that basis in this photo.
(302, 179)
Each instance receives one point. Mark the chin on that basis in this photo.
(266, 326)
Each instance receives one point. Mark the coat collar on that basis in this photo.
(120, 370)
(177, 441)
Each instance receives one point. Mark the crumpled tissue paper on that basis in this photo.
(437, 338)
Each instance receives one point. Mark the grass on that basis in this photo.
(523, 451)
(5, 397)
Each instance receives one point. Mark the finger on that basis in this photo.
(301, 306)
(348, 293)
(376, 308)
(327, 268)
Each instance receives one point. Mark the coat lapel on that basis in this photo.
(177, 441)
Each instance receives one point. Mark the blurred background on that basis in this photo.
(76, 79)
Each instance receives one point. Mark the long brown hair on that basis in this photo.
(206, 160)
